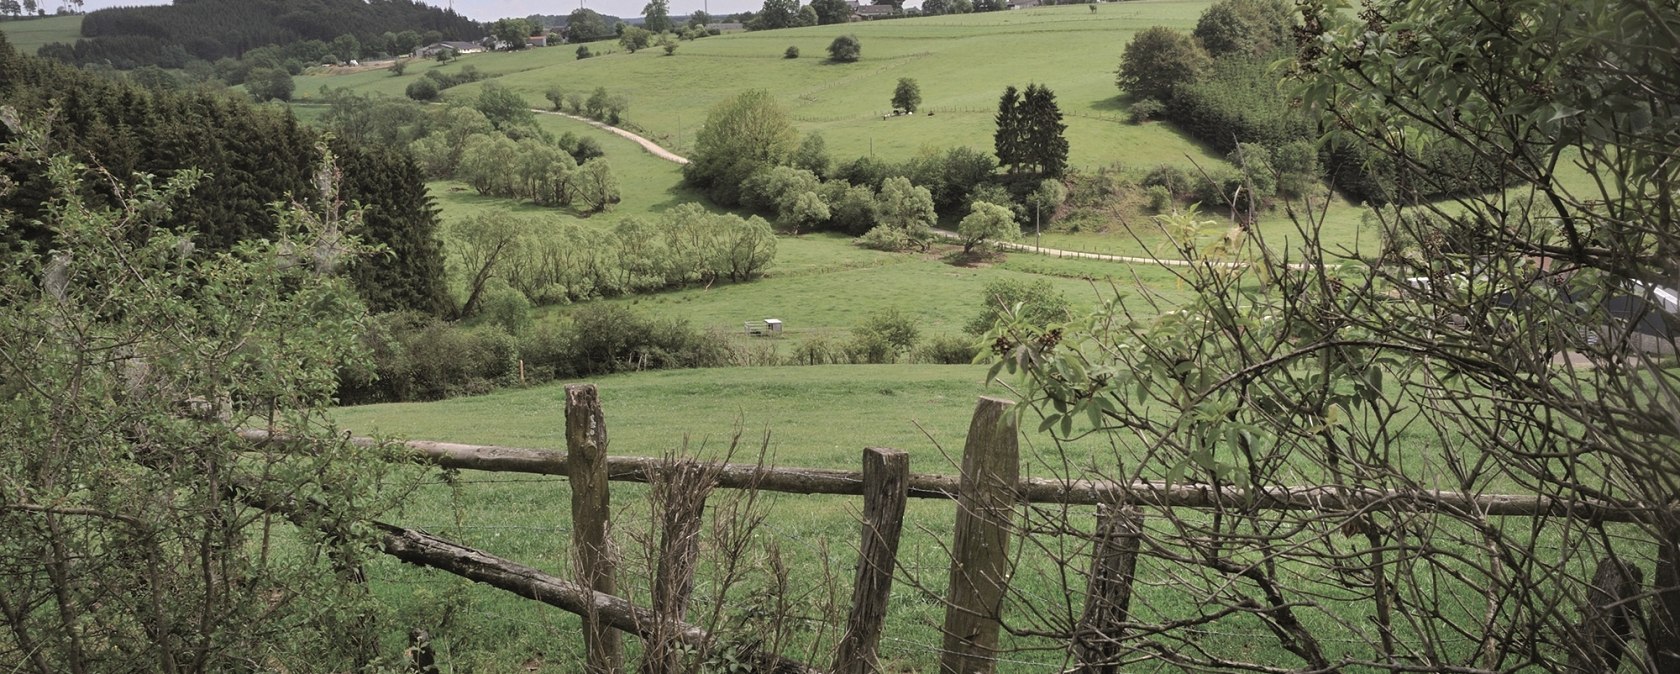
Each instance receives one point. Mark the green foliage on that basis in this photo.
(269, 84)
(1160, 198)
(907, 208)
(423, 89)
(586, 25)
(132, 359)
(1175, 180)
(1158, 62)
(845, 49)
(775, 14)
(635, 38)
(1250, 28)
(583, 52)
(1240, 100)
(907, 95)
(1030, 134)
(794, 195)
(853, 208)
(947, 350)
(656, 16)
(504, 108)
(131, 36)
(596, 187)
(792, 52)
(400, 215)
(510, 34)
(1035, 303)
(812, 155)
(1145, 110)
(556, 97)
(884, 336)
(742, 135)
(987, 222)
(1047, 197)
(832, 11)
(505, 308)
(553, 262)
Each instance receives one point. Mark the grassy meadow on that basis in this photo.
(962, 63)
(28, 35)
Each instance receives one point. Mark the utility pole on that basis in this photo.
(1037, 242)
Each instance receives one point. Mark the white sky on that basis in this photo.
(489, 10)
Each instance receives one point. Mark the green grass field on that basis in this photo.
(962, 63)
(816, 417)
(27, 35)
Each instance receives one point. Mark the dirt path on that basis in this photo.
(1128, 259)
(652, 147)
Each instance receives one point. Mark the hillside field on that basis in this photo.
(27, 35)
(962, 63)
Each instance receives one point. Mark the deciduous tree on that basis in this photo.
(656, 16)
(845, 49)
(741, 135)
(1157, 61)
(987, 222)
(907, 96)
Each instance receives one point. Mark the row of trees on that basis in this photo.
(746, 154)
(557, 261)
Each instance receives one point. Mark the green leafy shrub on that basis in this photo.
(884, 336)
(1037, 303)
(947, 350)
(791, 53)
(1145, 110)
(1160, 198)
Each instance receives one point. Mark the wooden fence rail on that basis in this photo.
(495, 458)
(987, 491)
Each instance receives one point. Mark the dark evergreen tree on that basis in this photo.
(397, 212)
(1009, 137)
(1045, 146)
(252, 157)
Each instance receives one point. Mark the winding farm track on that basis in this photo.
(656, 150)
(652, 147)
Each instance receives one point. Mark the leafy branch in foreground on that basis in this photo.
(1515, 341)
(127, 359)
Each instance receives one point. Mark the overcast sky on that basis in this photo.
(488, 10)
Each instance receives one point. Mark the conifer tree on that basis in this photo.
(1045, 146)
(1008, 139)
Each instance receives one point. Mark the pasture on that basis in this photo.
(28, 35)
(962, 62)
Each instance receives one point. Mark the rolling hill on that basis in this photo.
(962, 63)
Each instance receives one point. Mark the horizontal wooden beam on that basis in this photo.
(423, 549)
(1034, 490)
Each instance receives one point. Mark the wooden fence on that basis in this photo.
(987, 491)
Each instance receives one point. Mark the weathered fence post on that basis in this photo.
(681, 496)
(586, 467)
(980, 551)
(1108, 599)
(886, 485)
